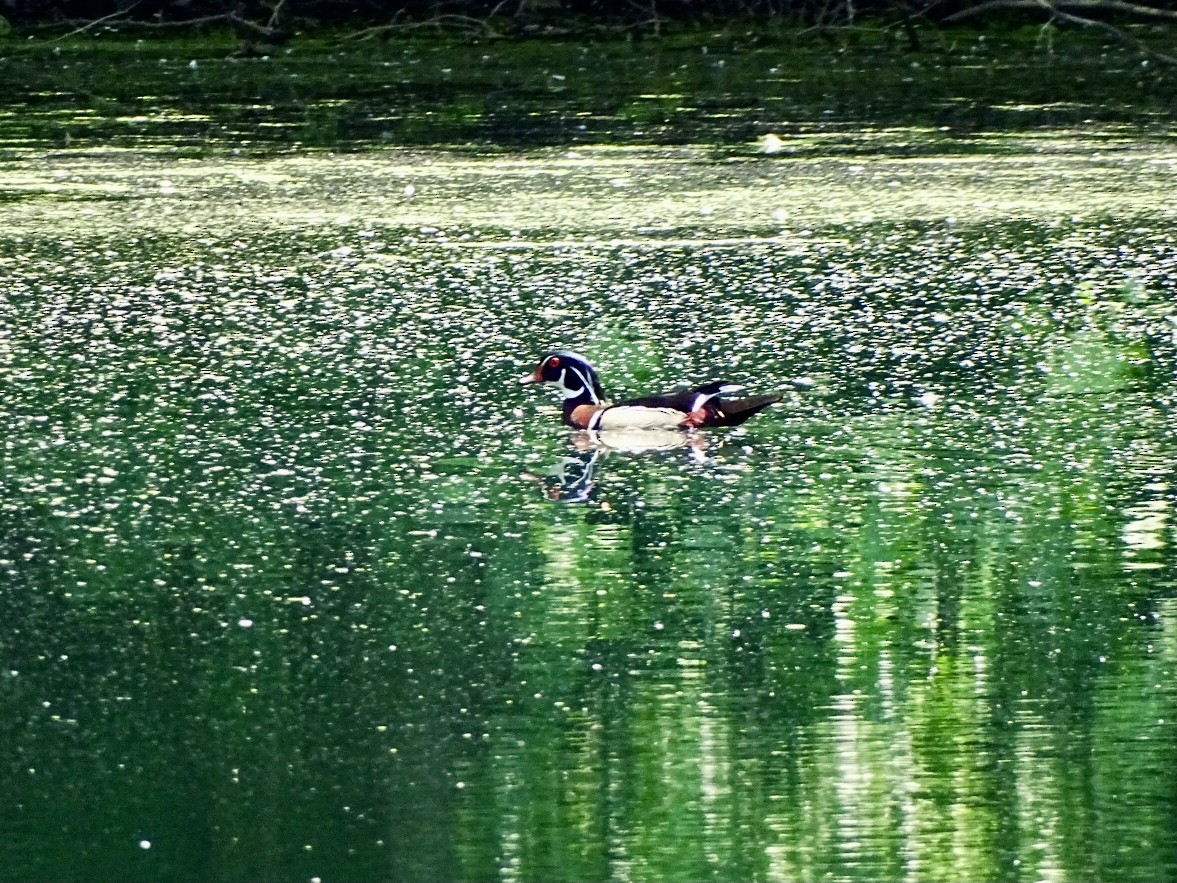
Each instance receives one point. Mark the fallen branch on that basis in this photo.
(226, 17)
(92, 24)
(266, 32)
(275, 15)
(1093, 5)
(1052, 7)
(1112, 30)
(461, 22)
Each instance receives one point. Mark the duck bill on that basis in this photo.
(533, 377)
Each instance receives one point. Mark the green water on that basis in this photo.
(297, 583)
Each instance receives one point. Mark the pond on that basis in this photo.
(298, 583)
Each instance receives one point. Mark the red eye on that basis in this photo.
(553, 362)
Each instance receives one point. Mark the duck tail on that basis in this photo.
(733, 412)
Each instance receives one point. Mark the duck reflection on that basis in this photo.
(573, 478)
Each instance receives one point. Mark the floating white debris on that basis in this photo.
(770, 143)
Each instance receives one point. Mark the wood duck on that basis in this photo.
(585, 406)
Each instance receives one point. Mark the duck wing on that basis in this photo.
(706, 404)
(686, 399)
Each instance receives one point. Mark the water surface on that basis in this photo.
(299, 584)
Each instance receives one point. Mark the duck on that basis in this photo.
(586, 408)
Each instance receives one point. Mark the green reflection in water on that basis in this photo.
(204, 96)
(285, 595)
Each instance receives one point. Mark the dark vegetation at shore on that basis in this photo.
(1147, 26)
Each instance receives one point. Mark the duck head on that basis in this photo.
(572, 373)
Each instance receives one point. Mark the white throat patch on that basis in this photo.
(570, 392)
